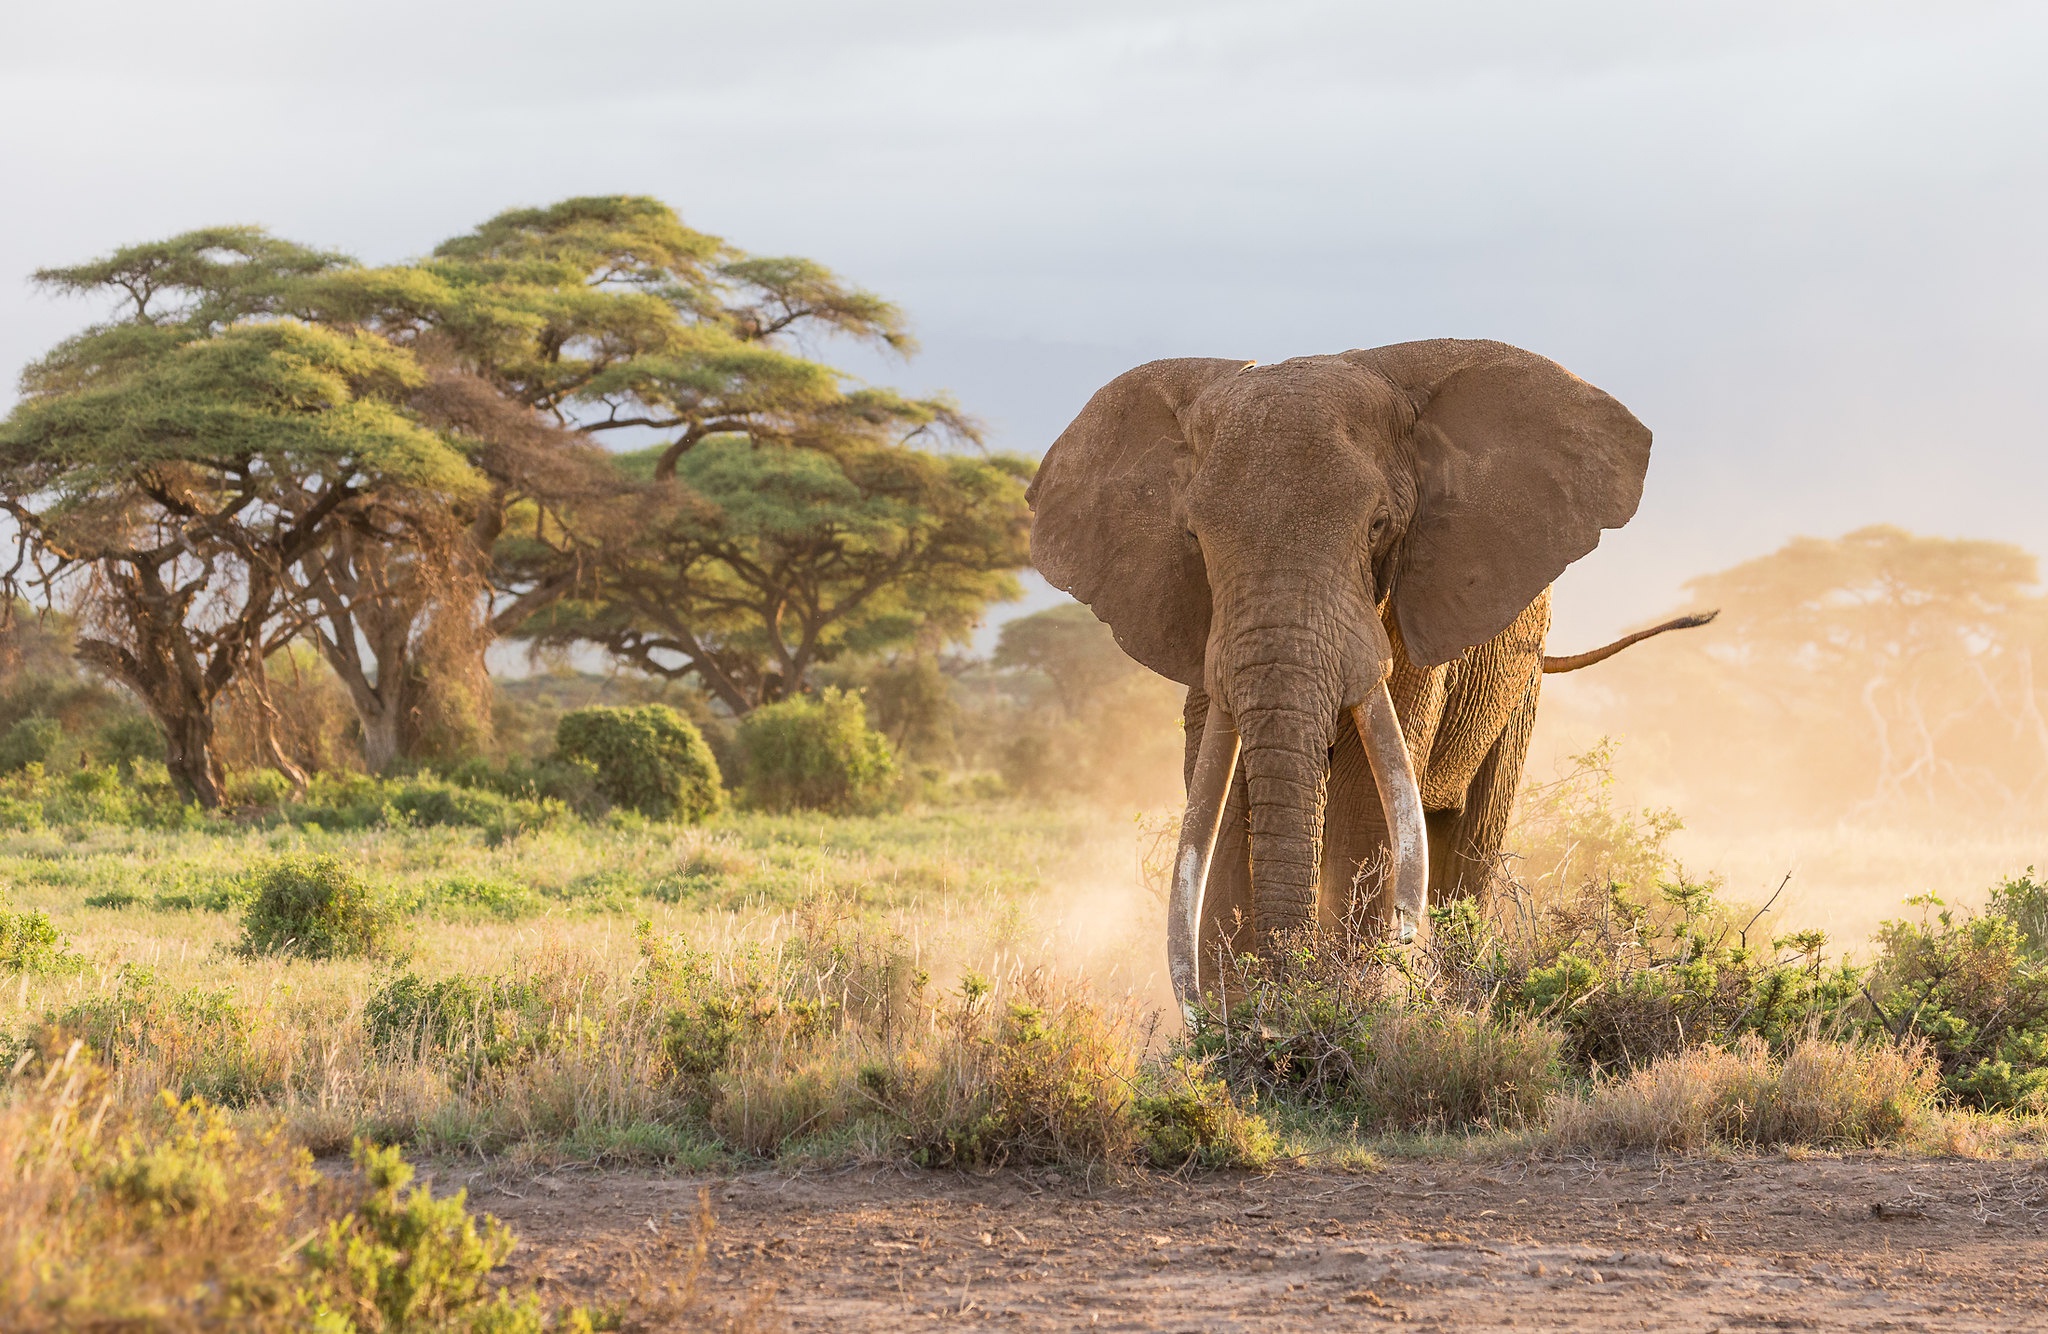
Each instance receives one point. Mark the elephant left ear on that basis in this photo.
(1105, 523)
(1520, 466)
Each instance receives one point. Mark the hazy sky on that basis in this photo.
(1804, 241)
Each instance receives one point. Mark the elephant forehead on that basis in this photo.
(1305, 400)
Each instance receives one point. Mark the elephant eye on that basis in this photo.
(1379, 526)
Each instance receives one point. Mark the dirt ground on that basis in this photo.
(1852, 1243)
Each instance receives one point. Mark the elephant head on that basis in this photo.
(1258, 531)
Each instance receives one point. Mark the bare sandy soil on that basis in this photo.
(1858, 1243)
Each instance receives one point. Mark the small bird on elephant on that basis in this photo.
(1347, 561)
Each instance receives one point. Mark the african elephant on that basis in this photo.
(1347, 560)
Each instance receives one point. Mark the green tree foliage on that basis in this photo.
(398, 464)
(757, 562)
(816, 753)
(650, 759)
(167, 471)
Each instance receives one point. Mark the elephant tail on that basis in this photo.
(1602, 654)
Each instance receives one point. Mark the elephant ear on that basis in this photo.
(1104, 526)
(1521, 464)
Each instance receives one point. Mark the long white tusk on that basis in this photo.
(1208, 793)
(1386, 750)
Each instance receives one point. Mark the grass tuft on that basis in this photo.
(1821, 1093)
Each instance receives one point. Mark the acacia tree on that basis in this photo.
(1879, 672)
(397, 597)
(551, 329)
(167, 471)
(752, 563)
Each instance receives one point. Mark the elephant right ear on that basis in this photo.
(1104, 526)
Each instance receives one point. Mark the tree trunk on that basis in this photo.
(189, 755)
(379, 722)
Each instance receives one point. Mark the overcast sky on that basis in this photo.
(1803, 241)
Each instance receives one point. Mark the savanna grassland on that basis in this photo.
(805, 967)
(584, 1018)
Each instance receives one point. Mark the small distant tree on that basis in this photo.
(168, 470)
(911, 700)
(1076, 652)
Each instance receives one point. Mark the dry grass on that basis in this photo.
(173, 1216)
(1821, 1093)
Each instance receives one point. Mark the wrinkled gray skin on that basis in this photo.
(1284, 539)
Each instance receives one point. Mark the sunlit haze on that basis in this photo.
(1800, 240)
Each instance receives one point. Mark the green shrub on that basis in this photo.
(816, 753)
(317, 908)
(198, 1043)
(1194, 1121)
(572, 783)
(33, 740)
(649, 759)
(1630, 976)
(408, 1261)
(478, 1020)
(262, 789)
(172, 1215)
(1975, 988)
(31, 943)
(359, 801)
(128, 739)
(1340, 1023)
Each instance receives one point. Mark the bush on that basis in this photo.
(816, 753)
(1193, 1120)
(260, 789)
(317, 908)
(477, 1020)
(838, 1033)
(1822, 1092)
(127, 739)
(31, 943)
(1975, 988)
(1630, 976)
(198, 1043)
(649, 759)
(571, 783)
(357, 801)
(171, 1215)
(33, 740)
(1340, 1023)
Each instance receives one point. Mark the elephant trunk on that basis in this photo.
(1286, 771)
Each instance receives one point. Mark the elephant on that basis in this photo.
(1346, 559)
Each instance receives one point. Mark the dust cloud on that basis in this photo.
(1866, 717)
